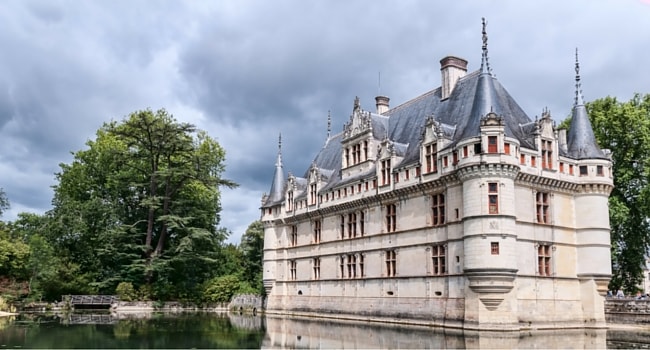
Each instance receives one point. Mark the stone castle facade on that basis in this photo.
(453, 209)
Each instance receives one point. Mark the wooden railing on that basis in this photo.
(92, 299)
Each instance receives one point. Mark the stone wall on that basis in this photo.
(627, 311)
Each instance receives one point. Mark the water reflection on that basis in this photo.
(211, 330)
(311, 333)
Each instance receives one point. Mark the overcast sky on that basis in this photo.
(245, 71)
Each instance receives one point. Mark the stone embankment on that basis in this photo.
(627, 311)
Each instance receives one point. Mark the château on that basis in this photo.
(452, 209)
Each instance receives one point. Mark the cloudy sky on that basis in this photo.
(245, 71)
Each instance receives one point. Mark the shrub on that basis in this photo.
(126, 292)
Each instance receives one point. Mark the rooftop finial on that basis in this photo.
(579, 98)
(484, 56)
(280, 143)
(329, 124)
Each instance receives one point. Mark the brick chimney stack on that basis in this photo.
(452, 68)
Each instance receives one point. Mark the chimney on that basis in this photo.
(452, 69)
(382, 104)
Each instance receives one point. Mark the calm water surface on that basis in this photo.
(230, 331)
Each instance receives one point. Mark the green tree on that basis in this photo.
(252, 247)
(624, 128)
(4, 201)
(141, 204)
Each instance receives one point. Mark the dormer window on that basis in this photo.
(290, 201)
(492, 144)
(547, 154)
(385, 172)
(431, 157)
(312, 194)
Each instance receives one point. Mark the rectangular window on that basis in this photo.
(561, 167)
(347, 157)
(547, 154)
(407, 174)
(365, 150)
(431, 157)
(583, 170)
(494, 248)
(385, 172)
(493, 198)
(477, 148)
(292, 270)
(352, 225)
(352, 266)
(294, 235)
(417, 171)
(362, 270)
(570, 169)
(342, 226)
(492, 144)
(290, 201)
(465, 152)
(445, 161)
(357, 153)
(454, 158)
(522, 159)
(544, 260)
(438, 258)
(342, 266)
(362, 223)
(438, 209)
(542, 208)
(533, 161)
(396, 177)
(316, 268)
(599, 170)
(391, 263)
(506, 148)
(391, 217)
(317, 231)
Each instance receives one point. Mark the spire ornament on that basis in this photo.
(579, 100)
(484, 56)
(329, 124)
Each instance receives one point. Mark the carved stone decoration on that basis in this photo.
(360, 122)
(491, 284)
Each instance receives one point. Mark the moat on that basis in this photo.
(233, 331)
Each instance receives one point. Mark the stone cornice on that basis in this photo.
(487, 169)
(546, 183)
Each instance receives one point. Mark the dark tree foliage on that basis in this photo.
(141, 204)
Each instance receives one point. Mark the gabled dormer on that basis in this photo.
(432, 140)
(317, 178)
(357, 143)
(290, 194)
(546, 141)
(492, 129)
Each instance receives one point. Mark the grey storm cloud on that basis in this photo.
(246, 71)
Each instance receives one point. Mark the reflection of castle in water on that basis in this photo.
(318, 333)
(246, 321)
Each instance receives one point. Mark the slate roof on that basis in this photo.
(459, 116)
